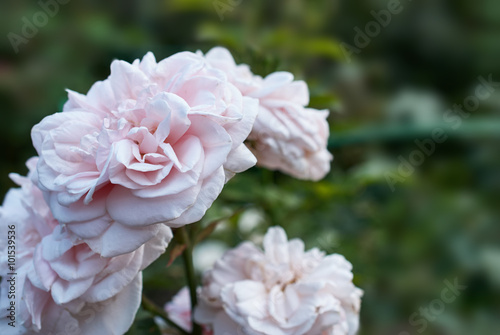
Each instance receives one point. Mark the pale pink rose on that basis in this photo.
(60, 280)
(154, 143)
(286, 135)
(179, 311)
(282, 290)
(37, 313)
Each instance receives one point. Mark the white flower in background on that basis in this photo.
(415, 107)
(286, 135)
(206, 253)
(282, 290)
(179, 309)
(250, 219)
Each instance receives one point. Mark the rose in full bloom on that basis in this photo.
(61, 284)
(154, 143)
(287, 135)
(282, 290)
(179, 311)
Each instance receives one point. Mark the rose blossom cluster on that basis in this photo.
(155, 143)
(148, 149)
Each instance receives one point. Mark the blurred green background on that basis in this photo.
(439, 223)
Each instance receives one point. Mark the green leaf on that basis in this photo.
(144, 326)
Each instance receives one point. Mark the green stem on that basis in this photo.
(151, 307)
(187, 255)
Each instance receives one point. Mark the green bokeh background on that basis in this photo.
(440, 223)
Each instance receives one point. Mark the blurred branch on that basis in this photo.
(386, 133)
